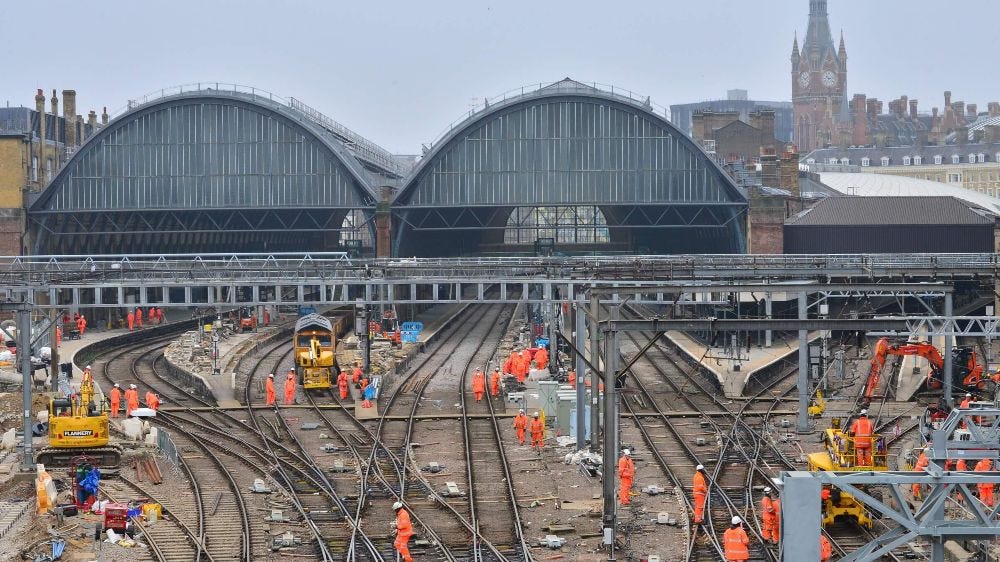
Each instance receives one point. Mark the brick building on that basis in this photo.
(736, 102)
(34, 143)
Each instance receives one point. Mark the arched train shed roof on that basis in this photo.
(566, 144)
(208, 149)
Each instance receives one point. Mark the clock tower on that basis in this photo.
(819, 83)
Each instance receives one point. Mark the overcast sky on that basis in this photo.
(400, 72)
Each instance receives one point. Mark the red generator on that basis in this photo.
(116, 516)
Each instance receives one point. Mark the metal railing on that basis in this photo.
(364, 148)
(560, 86)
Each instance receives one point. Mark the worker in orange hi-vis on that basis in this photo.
(626, 472)
(342, 384)
(159, 315)
(537, 430)
(861, 430)
(403, 530)
(769, 519)
(478, 384)
(520, 425)
(542, 358)
(81, 325)
(571, 378)
(699, 491)
(825, 548)
(922, 463)
(776, 532)
(116, 399)
(495, 383)
(290, 388)
(269, 390)
(131, 400)
(985, 488)
(357, 374)
(735, 542)
(508, 364)
(138, 318)
(152, 400)
(131, 320)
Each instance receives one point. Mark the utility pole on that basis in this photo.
(581, 389)
(610, 455)
(595, 377)
(24, 354)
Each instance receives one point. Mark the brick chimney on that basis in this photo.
(904, 102)
(788, 170)
(962, 135)
(993, 108)
(768, 167)
(971, 108)
(55, 103)
(764, 120)
(104, 116)
(913, 110)
(859, 118)
(873, 107)
(40, 108)
(947, 98)
(92, 118)
(959, 108)
(69, 116)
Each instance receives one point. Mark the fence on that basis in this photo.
(167, 446)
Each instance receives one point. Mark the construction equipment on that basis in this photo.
(818, 405)
(840, 455)
(248, 320)
(315, 343)
(79, 425)
(967, 373)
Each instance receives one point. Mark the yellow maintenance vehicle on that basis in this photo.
(841, 455)
(78, 425)
(315, 342)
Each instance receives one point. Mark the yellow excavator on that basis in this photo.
(840, 456)
(78, 425)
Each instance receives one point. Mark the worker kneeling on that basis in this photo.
(626, 472)
(735, 542)
(403, 530)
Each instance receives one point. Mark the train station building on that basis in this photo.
(565, 168)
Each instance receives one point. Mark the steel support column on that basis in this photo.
(800, 517)
(610, 453)
(595, 376)
(581, 370)
(24, 354)
(803, 378)
(949, 344)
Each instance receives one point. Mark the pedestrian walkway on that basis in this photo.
(734, 373)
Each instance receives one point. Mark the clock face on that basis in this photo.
(829, 78)
(804, 79)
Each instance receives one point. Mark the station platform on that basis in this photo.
(223, 385)
(913, 369)
(733, 374)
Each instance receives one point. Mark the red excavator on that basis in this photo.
(967, 373)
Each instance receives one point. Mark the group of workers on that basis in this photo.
(519, 362)
(479, 384)
(290, 383)
(131, 396)
(358, 378)
(536, 427)
(134, 317)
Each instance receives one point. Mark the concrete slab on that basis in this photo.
(733, 374)
(913, 370)
(223, 385)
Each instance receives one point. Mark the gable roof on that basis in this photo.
(876, 211)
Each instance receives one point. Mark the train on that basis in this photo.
(315, 347)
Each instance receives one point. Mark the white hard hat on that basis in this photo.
(87, 367)
(397, 505)
(968, 395)
(535, 414)
(626, 452)
(699, 467)
(737, 520)
(521, 411)
(132, 386)
(116, 385)
(767, 490)
(864, 412)
(270, 375)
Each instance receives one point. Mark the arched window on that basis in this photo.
(356, 227)
(565, 225)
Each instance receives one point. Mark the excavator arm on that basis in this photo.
(883, 349)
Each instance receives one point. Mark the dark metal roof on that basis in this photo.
(848, 211)
(896, 153)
